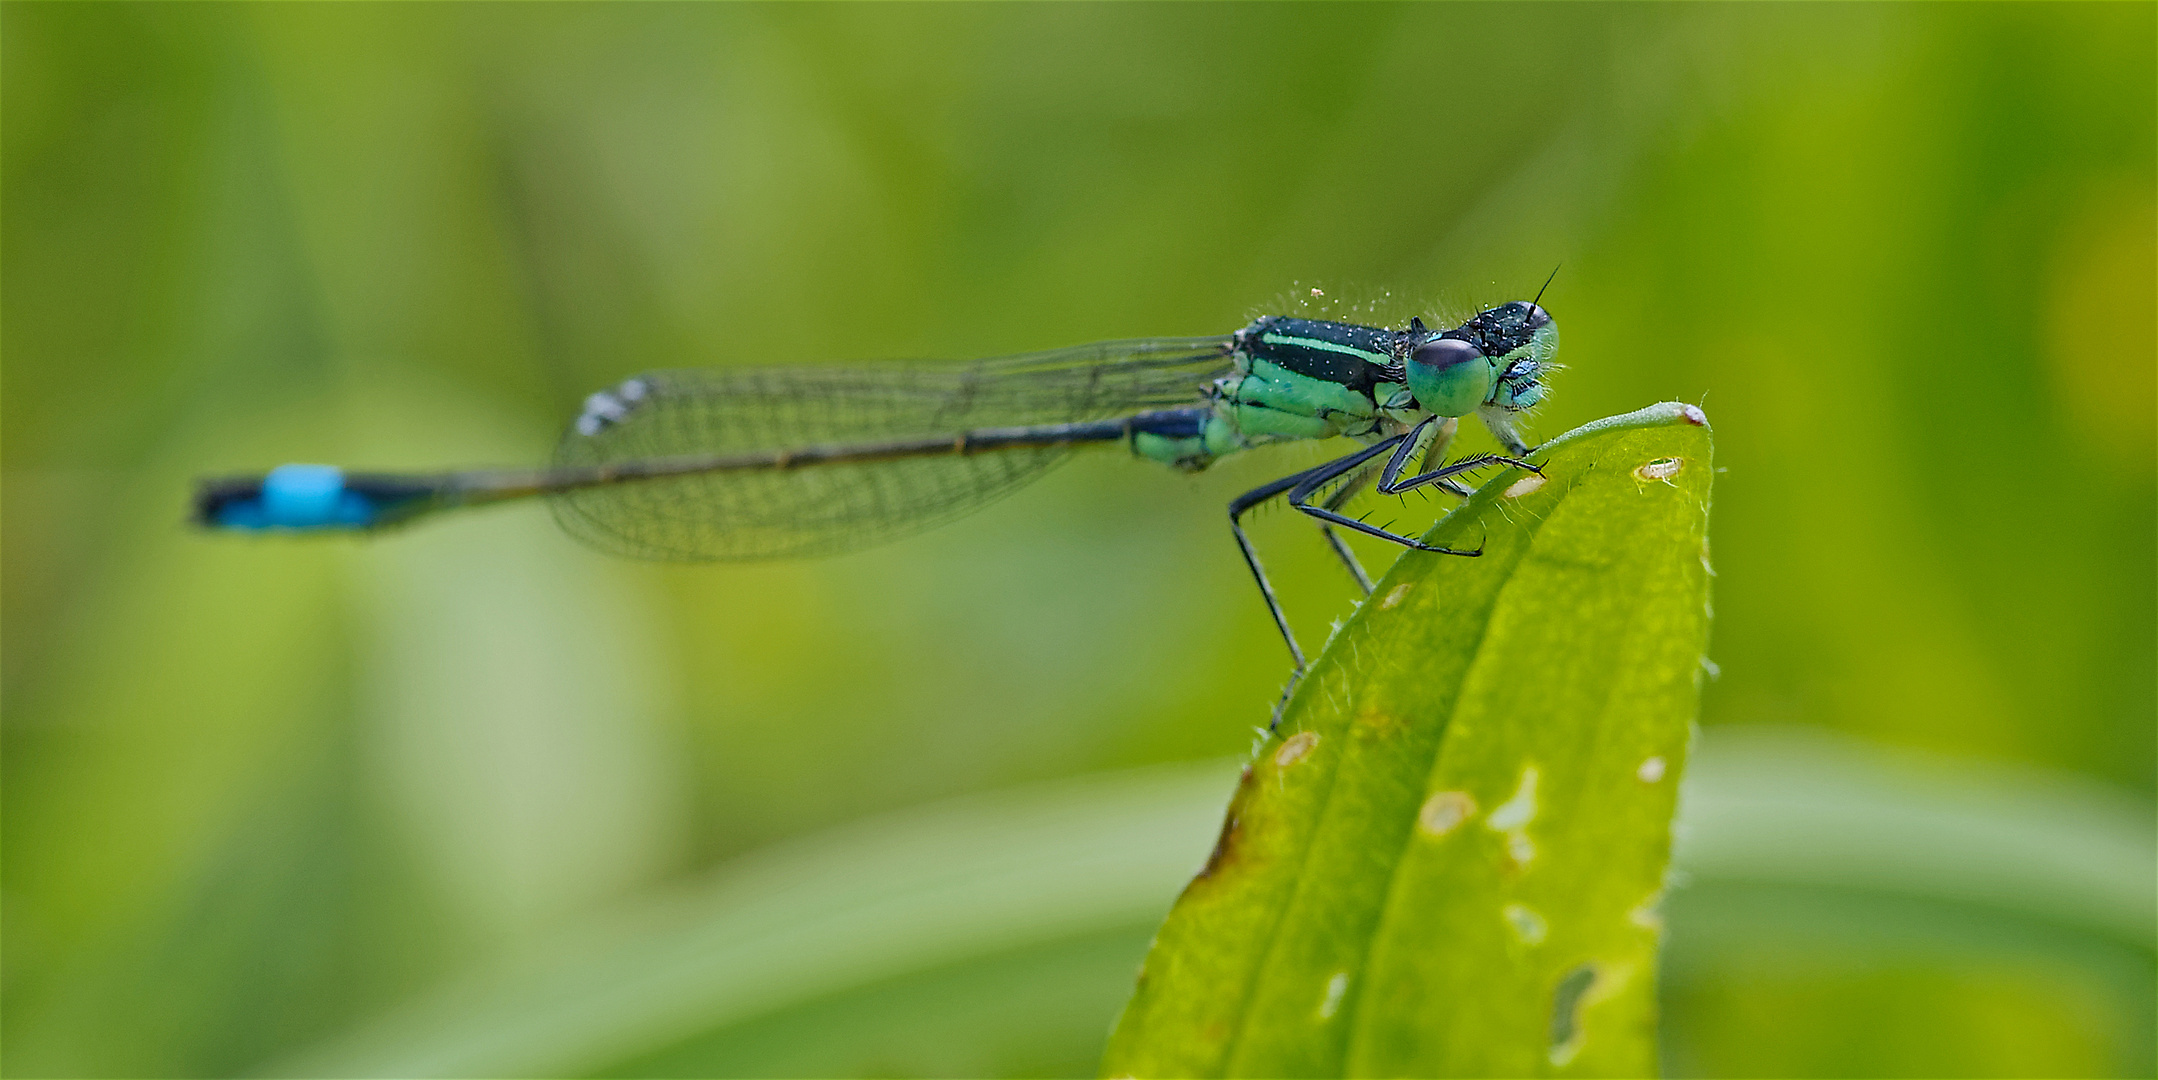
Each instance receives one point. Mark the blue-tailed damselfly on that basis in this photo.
(720, 464)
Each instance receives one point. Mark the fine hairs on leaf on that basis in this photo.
(1457, 870)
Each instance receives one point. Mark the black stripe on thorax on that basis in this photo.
(1344, 353)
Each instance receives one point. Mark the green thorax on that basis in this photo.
(1306, 379)
(1297, 379)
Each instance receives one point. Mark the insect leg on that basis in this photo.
(1313, 478)
(1390, 482)
(1436, 452)
(1340, 498)
(1309, 483)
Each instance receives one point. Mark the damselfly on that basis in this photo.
(771, 462)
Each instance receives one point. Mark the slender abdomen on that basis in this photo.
(314, 497)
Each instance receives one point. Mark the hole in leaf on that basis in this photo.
(1566, 1012)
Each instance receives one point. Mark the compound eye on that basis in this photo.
(1449, 376)
(1443, 353)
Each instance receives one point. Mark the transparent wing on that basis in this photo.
(756, 513)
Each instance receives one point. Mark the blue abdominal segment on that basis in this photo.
(1174, 437)
(309, 498)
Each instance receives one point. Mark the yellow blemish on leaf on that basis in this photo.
(1378, 724)
(1524, 486)
(1443, 811)
(1293, 750)
(1520, 848)
(1394, 595)
(1650, 771)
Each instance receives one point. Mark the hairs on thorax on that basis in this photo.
(1365, 305)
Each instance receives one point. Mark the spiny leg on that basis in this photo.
(1237, 507)
(1443, 429)
(1392, 483)
(1300, 494)
(1301, 486)
(1349, 489)
(1443, 437)
(1361, 479)
(1316, 478)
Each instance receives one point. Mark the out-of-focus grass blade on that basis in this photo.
(1449, 863)
(1797, 807)
(681, 983)
(842, 910)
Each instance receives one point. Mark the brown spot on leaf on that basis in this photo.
(1224, 853)
(1224, 846)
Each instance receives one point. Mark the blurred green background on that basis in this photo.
(471, 799)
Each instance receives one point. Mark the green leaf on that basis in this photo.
(1449, 862)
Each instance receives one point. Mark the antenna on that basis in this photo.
(1547, 284)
